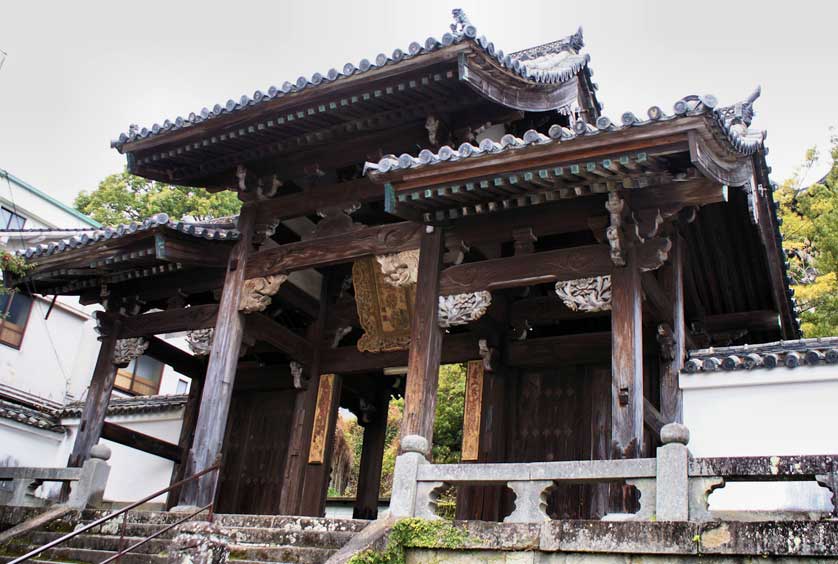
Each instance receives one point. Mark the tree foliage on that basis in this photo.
(810, 233)
(123, 197)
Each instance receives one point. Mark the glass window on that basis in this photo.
(11, 220)
(14, 313)
(141, 377)
(182, 386)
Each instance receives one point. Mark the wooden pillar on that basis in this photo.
(372, 455)
(221, 372)
(318, 470)
(425, 341)
(626, 359)
(672, 274)
(96, 403)
(293, 475)
(187, 434)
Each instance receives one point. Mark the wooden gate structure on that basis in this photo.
(448, 203)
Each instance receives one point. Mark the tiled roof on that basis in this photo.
(732, 120)
(132, 405)
(553, 63)
(791, 354)
(217, 232)
(40, 419)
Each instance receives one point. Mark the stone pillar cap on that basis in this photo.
(675, 433)
(415, 443)
(102, 452)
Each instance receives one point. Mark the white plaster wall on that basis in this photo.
(764, 412)
(135, 474)
(38, 211)
(22, 445)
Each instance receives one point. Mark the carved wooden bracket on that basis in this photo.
(200, 341)
(459, 309)
(586, 294)
(126, 350)
(299, 378)
(400, 269)
(652, 254)
(616, 207)
(335, 221)
(257, 292)
(488, 355)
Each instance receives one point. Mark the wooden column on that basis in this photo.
(293, 475)
(672, 274)
(626, 359)
(425, 341)
(187, 434)
(318, 470)
(96, 403)
(221, 372)
(372, 455)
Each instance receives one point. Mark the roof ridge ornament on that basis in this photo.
(462, 25)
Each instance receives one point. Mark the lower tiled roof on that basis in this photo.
(791, 354)
(132, 405)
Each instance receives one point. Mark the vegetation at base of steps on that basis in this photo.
(414, 533)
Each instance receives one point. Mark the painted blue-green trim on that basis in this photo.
(389, 198)
(46, 197)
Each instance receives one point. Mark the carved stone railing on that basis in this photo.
(673, 486)
(19, 484)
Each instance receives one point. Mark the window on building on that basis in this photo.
(11, 220)
(182, 386)
(141, 377)
(14, 313)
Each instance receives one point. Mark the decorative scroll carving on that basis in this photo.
(257, 292)
(126, 350)
(200, 341)
(615, 206)
(586, 294)
(459, 309)
(384, 311)
(400, 269)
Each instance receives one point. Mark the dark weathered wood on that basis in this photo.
(653, 419)
(627, 360)
(140, 441)
(193, 252)
(425, 342)
(96, 403)
(318, 474)
(342, 194)
(221, 372)
(160, 322)
(263, 328)
(187, 434)
(546, 310)
(472, 411)
(580, 348)
(600, 390)
(525, 270)
(180, 360)
(672, 274)
(335, 249)
(302, 421)
(372, 456)
(759, 320)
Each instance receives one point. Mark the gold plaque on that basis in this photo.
(384, 311)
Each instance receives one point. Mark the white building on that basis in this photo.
(47, 353)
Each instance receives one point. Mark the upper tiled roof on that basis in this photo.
(131, 405)
(791, 354)
(218, 232)
(732, 120)
(552, 63)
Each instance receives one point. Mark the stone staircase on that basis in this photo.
(254, 538)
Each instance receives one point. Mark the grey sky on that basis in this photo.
(78, 73)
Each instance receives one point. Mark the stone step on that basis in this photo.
(285, 554)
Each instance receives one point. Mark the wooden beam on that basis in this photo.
(472, 411)
(335, 249)
(626, 359)
(652, 418)
(187, 433)
(141, 441)
(372, 455)
(525, 270)
(672, 274)
(221, 372)
(180, 360)
(758, 320)
(547, 310)
(319, 468)
(263, 328)
(340, 194)
(583, 348)
(193, 252)
(425, 342)
(160, 322)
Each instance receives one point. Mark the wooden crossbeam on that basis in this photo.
(263, 328)
(195, 252)
(183, 362)
(525, 270)
(160, 322)
(319, 197)
(141, 441)
(549, 351)
(335, 249)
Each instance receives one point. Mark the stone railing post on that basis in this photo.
(672, 488)
(415, 450)
(90, 487)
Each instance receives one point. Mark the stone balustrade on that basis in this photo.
(673, 486)
(87, 484)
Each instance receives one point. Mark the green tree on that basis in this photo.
(810, 238)
(123, 197)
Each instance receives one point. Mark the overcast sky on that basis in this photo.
(78, 73)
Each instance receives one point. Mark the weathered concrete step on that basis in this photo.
(76, 555)
(101, 542)
(286, 522)
(285, 554)
(6, 559)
